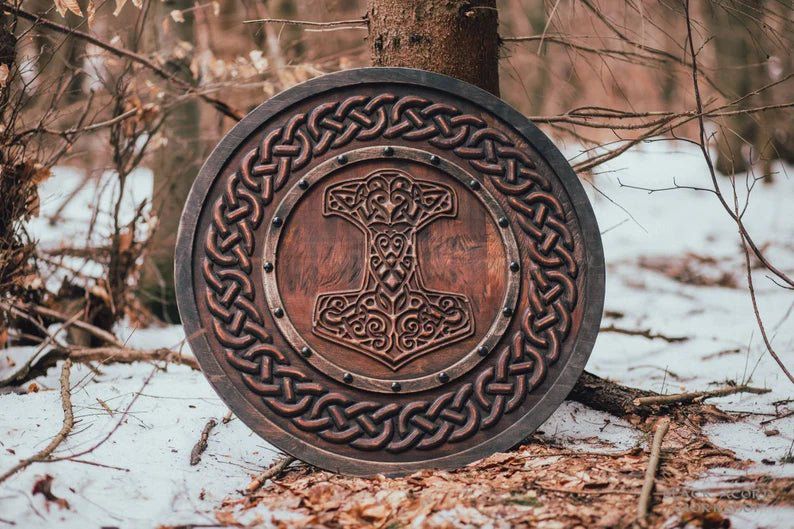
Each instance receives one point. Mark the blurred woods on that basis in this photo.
(116, 89)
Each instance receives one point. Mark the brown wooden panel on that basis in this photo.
(385, 269)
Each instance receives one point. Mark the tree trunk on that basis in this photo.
(175, 167)
(745, 60)
(460, 39)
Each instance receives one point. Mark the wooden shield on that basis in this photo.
(383, 270)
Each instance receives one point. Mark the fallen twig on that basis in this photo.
(201, 445)
(777, 417)
(645, 333)
(66, 427)
(271, 472)
(644, 503)
(605, 395)
(697, 396)
(124, 355)
(118, 424)
(86, 355)
(585, 492)
(105, 406)
(95, 331)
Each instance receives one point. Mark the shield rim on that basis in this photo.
(548, 402)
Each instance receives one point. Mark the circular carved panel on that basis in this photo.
(384, 269)
(359, 263)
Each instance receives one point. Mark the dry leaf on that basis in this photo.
(125, 241)
(62, 6)
(90, 12)
(40, 173)
(705, 520)
(226, 518)
(177, 16)
(43, 486)
(119, 7)
(4, 73)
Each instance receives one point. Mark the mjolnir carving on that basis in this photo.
(392, 317)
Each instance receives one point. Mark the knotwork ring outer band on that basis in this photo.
(383, 270)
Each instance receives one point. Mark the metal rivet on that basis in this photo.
(443, 377)
(503, 222)
(268, 266)
(395, 386)
(278, 313)
(514, 267)
(507, 311)
(341, 159)
(306, 352)
(435, 160)
(303, 184)
(277, 221)
(347, 377)
(482, 350)
(474, 184)
(388, 151)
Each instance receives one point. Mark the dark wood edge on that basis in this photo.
(558, 388)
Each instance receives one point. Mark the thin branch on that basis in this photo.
(95, 331)
(66, 427)
(40, 129)
(272, 472)
(645, 333)
(644, 503)
(201, 444)
(704, 149)
(357, 22)
(118, 424)
(611, 52)
(124, 355)
(697, 396)
(222, 107)
(756, 311)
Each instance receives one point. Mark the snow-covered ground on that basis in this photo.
(141, 477)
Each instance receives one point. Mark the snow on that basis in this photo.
(154, 484)
(580, 428)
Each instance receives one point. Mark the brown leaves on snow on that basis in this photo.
(43, 486)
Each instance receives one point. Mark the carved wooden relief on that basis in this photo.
(384, 269)
(392, 317)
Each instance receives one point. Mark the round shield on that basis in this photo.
(383, 270)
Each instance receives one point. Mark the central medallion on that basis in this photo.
(392, 317)
(390, 269)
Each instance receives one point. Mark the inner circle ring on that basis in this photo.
(420, 383)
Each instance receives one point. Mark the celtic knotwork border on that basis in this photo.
(238, 324)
